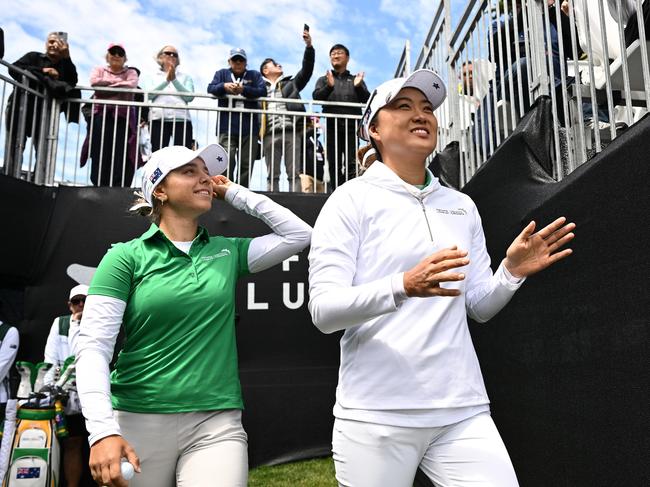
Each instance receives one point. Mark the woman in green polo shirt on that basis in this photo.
(173, 404)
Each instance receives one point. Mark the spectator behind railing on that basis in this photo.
(282, 135)
(312, 180)
(169, 124)
(587, 11)
(55, 71)
(339, 85)
(112, 132)
(238, 132)
(630, 19)
(511, 83)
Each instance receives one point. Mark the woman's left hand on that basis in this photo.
(532, 252)
(220, 185)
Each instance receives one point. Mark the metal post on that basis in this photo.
(452, 94)
(540, 78)
(52, 141)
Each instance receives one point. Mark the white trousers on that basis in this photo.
(468, 453)
(198, 449)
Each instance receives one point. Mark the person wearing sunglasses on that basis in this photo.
(410, 391)
(169, 126)
(57, 350)
(112, 129)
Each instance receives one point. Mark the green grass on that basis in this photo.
(309, 473)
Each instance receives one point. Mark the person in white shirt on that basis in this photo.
(9, 343)
(171, 125)
(57, 349)
(397, 261)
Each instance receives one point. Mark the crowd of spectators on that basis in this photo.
(250, 129)
(491, 88)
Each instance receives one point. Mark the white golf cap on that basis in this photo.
(425, 80)
(165, 160)
(78, 290)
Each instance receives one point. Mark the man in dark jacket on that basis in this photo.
(238, 132)
(339, 85)
(281, 134)
(53, 71)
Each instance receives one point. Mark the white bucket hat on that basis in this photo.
(165, 160)
(78, 290)
(425, 80)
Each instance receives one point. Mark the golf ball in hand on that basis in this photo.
(127, 470)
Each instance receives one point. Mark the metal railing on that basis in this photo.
(307, 151)
(503, 54)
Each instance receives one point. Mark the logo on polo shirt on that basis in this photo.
(221, 253)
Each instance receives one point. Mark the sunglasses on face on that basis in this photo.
(170, 53)
(116, 52)
(77, 301)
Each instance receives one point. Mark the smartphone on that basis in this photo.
(62, 35)
(306, 27)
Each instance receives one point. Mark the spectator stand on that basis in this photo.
(58, 160)
(528, 48)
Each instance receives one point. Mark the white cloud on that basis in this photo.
(205, 31)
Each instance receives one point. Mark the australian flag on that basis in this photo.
(155, 175)
(28, 472)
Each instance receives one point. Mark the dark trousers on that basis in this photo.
(341, 150)
(108, 138)
(15, 140)
(242, 153)
(179, 132)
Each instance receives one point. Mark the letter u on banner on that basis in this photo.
(286, 295)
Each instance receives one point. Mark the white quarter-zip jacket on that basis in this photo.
(401, 354)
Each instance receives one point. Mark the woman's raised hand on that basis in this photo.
(531, 252)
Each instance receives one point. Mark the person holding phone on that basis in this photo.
(56, 73)
(410, 391)
(339, 84)
(282, 135)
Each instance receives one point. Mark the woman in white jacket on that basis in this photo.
(410, 389)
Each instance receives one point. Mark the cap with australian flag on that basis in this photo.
(165, 160)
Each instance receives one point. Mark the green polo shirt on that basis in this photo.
(179, 352)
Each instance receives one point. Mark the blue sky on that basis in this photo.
(375, 32)
(204, 32)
